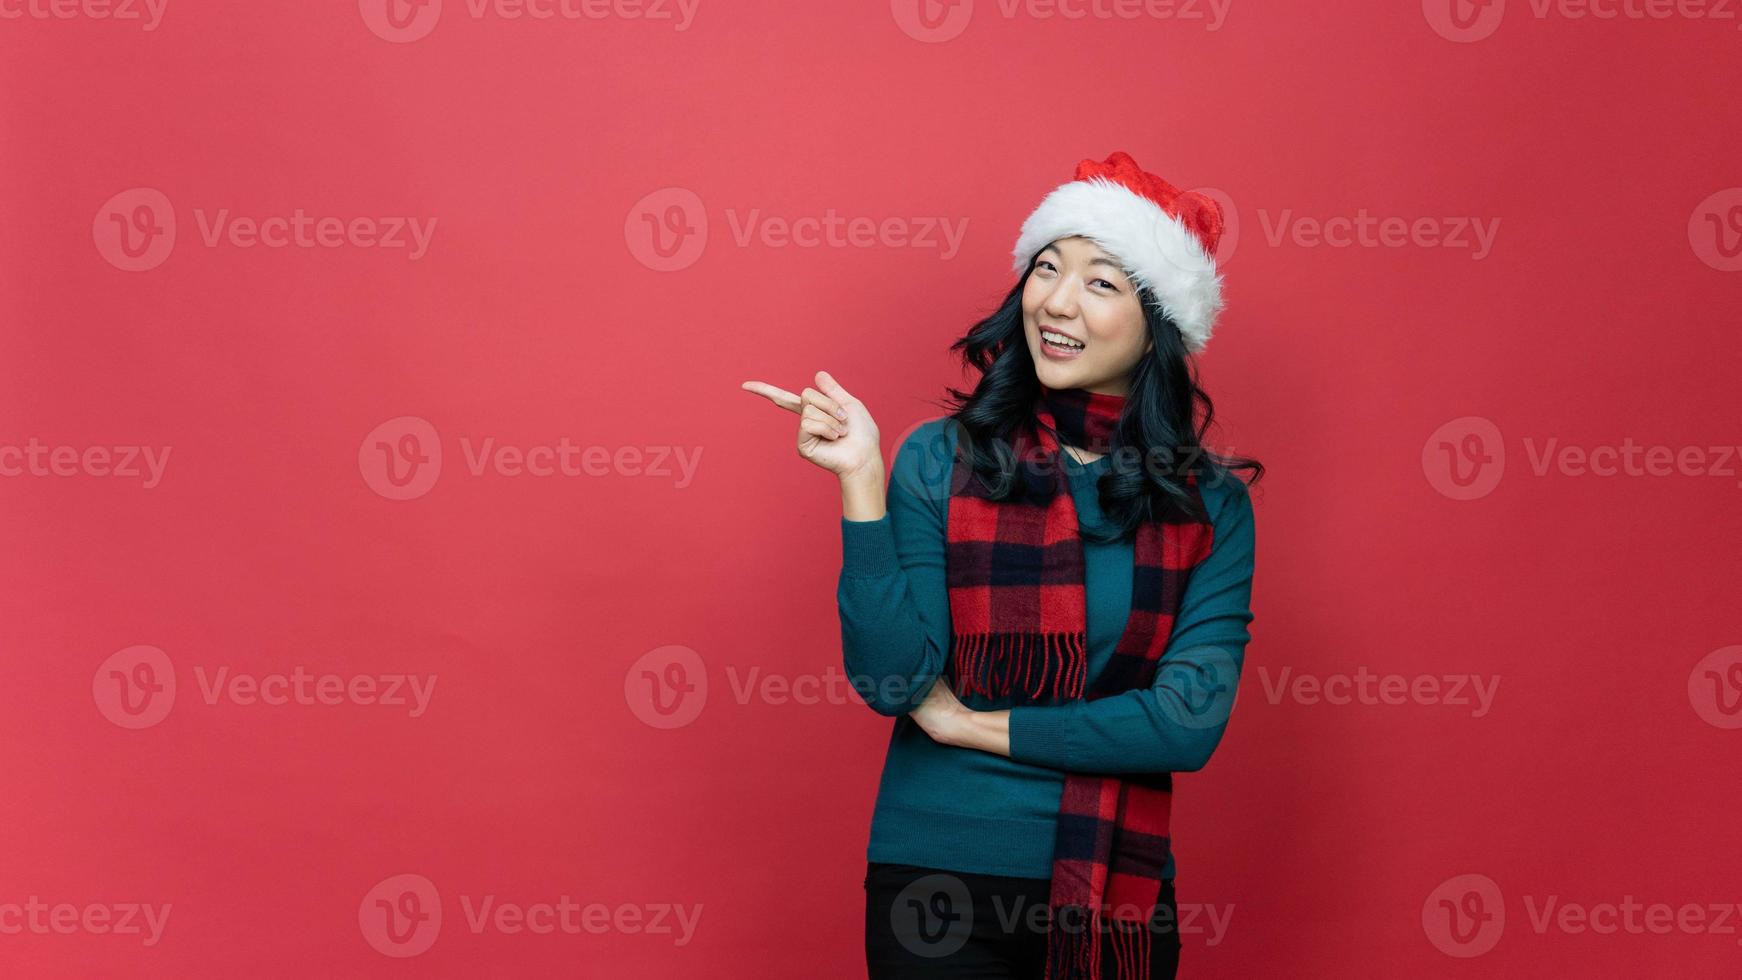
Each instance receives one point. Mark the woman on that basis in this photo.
(1051, 598)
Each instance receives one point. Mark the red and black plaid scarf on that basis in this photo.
(1018, 614)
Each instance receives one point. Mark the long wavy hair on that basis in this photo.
(1166, 418)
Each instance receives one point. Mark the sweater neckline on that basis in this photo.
(1072, 461)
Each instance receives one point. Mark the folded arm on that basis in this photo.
(1174, 724)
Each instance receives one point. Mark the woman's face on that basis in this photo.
(1080, 291)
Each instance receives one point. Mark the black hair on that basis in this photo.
(1166, 417)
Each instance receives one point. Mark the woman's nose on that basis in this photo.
(1061, 300)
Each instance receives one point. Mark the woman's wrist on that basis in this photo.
(988, 731)
(862, 494)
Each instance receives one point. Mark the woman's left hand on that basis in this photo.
(942, 715)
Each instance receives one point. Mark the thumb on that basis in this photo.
(827, 384)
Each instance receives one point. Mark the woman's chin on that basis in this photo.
(1056, 376)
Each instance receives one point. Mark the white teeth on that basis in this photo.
(1059, 339)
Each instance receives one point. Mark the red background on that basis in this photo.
(1594, 319)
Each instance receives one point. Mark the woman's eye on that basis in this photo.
(1106, 283)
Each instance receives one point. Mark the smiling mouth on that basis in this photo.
(1059, 342)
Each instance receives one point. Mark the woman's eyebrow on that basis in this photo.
(1097, 260)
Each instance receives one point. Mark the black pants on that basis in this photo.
(929, 923)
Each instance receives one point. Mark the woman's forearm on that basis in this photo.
(948, 721)
(862, 494)
(988, 731)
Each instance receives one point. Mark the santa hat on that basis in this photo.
(1165, 239)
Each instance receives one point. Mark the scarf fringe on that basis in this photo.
(1076, 954)
(1039, 665)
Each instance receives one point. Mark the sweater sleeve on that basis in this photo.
(895, 613)
(1174, 724)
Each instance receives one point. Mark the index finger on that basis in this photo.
(779, 396)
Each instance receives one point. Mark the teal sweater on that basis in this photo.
(973, 811)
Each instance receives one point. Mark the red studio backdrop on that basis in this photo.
(397, 583)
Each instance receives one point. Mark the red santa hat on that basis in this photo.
(1165, 239)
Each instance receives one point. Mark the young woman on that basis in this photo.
(1051, 597)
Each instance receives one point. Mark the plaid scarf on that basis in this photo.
(1018, 616)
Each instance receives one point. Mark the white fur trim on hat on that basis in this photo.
(1156, 248)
